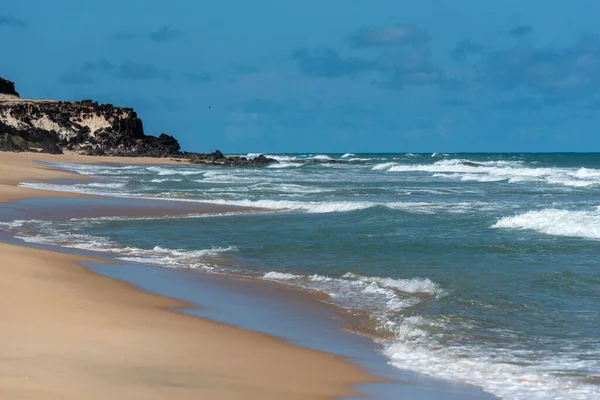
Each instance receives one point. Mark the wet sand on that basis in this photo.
(16, 168)
(68, 333)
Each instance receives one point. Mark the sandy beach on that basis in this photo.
(70, 334)
(25, 167)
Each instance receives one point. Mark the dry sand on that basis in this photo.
(67, 333)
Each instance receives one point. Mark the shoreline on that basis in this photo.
(140, 334)
(16, 168)
(131, 330)
(399, 382)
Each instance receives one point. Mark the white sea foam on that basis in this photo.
(285, 276)
(284, 165)
(430, 208)
(286, 188)
(346, 206)
(415, 285)
(458, 166)
(95, 170)
(162, 217)
(162, 171)
(78, 188)
(222, 176)
(322, 157)
(358, 159)
(348, 155)
(582, 224)
(501, 170)
(383, 166)
(103, 185)
(472, 177)
(18, 223)
(165, 180)
(498, 372)
(585, 173)
(84, 169)
(280, 158)
(276, 276)
(416, 344)
(308, 206)
(193, 253)
(380, 295)
(175, 258)
(289, 205)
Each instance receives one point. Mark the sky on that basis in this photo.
(322, 76)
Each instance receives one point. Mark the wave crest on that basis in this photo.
(381, 295)
(551, 221)
(500, 170)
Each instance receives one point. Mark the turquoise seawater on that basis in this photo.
(482, 268)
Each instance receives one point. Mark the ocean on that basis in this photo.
(479, 268)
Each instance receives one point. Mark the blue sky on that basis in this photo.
(322, 76)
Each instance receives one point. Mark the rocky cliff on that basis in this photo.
(84, 127)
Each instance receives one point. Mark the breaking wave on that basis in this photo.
(311, 207)
(347, 206)
(174, 258)
(501, 170)
(581, 224)
(418, 343)
(508, 374)
(380, 295)
(384, 166)
(163, 171)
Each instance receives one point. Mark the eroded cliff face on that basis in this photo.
(84, 127)
(69, 119)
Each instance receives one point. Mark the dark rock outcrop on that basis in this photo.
(84, 127)
(6, 142)
(8, 87)
(49, 146)
(471, 164)
(218, 158)
(147, 146)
